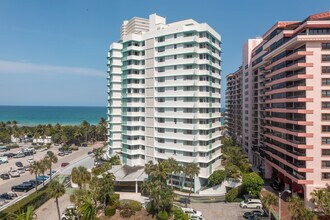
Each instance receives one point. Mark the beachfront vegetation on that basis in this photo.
(61, 134)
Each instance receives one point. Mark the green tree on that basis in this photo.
(35, 169)
(216, 178)
(28, 214)
(80, 176)
(50, 159)
(268, 201)
(172, 167)
(87, 209)
(298, 211)
(232, 171)
(191, 170)
(321, 199)
(56, 190)
(103, 188)
(42, 168)
(180, 215)
(252, 183)
(98, 153)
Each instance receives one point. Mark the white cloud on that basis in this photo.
(24, 67)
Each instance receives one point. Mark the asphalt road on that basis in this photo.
(5, 185)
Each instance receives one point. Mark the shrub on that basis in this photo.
(12, 146)
(110, 211)
(151, 208)
(127, 213)
(216, 178)
(180, 215)
(232, 194)
(162, 215)
(114, 199)
(130, 204)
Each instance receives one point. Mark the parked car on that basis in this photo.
(20, 188)
(21, 170)
(30, 160)
(251, 203)
(6, 196)
(248, 215)
(36, 182)
(9, 155)
(192, 213)
(3, 159)
(53, 172)
(27, 168)
(42, 178)
(19, 164)
(5, 176)
(14, 173)
(19, 155)
(61, 154)
(12, 194)
(64, 164)
(28, 183)
(91, 153)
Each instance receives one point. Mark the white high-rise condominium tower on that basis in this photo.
(164, 94)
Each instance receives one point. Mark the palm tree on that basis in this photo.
(43, 168)
(56, 190)
(99, 152)
(87, 209)
(321, 198)
(172, 166)
(29, 214)
(103, 188)
(80, 176)
(191, 170)
(35, 169)
(50, 158)
(296, 207)
(268, 201)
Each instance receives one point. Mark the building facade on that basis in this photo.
(164, 94)
(233, 119)
(286, 103)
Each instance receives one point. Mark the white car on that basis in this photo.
(251, 203)
(192, 213)
(30, 160)
(14, 173)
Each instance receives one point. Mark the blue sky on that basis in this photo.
(54, 52)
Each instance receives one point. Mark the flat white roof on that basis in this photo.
(125, 173)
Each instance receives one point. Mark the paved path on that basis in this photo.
(220, 211)
(48, 210)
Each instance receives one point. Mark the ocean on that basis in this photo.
(64, 115)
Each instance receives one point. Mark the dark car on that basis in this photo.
(251, 214)
(28, 183)
(28, 153)
(6, 196)
(34, 182)
(65, 164)
(21, 188)
(9, 155)
(19, 164)
(5, 176)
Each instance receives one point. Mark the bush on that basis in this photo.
(252, 184)
(232, 194)
(180, 215)
(12, 146)
(216, 178)
(110, 211)
(162, 215)
(151, 209)
(127, 213)
(130, 204)
(114, 199)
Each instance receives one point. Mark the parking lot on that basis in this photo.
(6, 185)
(221, 210)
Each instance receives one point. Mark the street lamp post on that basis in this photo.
(279, 202)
